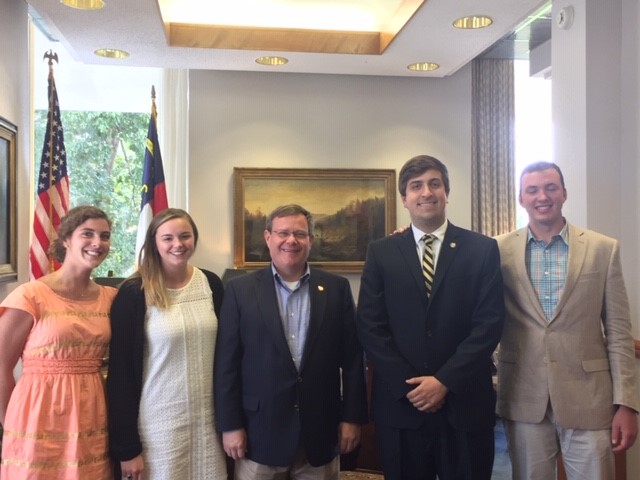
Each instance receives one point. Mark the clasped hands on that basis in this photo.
(428, 395)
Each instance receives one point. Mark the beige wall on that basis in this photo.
(318, 121)
(14, 106)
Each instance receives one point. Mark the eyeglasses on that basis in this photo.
(298, 234)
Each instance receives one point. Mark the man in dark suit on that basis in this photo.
(289, 377)
(429, 332)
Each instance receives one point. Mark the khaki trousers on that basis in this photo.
(300, 469)
(534, 449)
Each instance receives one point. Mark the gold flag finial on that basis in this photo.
(154, 111)
(51, 55)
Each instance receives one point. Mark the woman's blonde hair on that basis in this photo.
(150, 263)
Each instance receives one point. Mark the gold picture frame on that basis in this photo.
(8, 209)
(351, 207)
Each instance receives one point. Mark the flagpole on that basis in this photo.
(154, 193)
(51, 56)
(52, 199)
(154, 111)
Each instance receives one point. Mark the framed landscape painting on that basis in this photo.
(350, 208)
(8, 208)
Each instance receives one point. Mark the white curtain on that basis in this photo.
(173, 119)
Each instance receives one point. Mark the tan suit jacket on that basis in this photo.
(582, 360)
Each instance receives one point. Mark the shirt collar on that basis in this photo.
(563, 234)
(305, 276)
(438, 232)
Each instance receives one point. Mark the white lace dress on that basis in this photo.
(176, 421)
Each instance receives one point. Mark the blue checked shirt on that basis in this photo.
(547, 265)
(295, 312)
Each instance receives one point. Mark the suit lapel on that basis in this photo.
(270, 313)
(577, 254)
(318, 300)
(447, 253)
(408, 250)
(518, 253)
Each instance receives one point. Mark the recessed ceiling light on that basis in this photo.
(111, 53)
(84, 4)
(473, 21)
(272, 61)
(423, 66)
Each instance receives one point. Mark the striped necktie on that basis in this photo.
(427, 262)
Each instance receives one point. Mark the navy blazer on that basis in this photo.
(259, 388)
(451, 336)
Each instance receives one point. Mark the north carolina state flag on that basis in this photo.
(154, 193)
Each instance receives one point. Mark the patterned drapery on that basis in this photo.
(493, 151)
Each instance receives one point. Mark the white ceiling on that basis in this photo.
(136, 26)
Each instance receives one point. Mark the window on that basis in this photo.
(534, 140)
(105, 115)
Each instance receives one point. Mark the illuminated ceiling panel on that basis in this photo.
(347, 26)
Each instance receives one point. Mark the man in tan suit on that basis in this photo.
(566, 361)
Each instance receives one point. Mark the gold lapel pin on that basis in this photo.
(452, 244)
(320, 288)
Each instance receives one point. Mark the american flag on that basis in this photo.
(154, 192)
(52, 202)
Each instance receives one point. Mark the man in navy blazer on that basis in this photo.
(289, 376)
(433, 400)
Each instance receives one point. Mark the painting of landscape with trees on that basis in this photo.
(350, 209)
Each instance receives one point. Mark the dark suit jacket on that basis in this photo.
(257, 385)
(451, 335)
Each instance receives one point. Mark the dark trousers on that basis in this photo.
(435, 449)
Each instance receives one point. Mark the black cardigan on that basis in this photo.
(124, 380)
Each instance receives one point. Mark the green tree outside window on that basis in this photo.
(105, 155)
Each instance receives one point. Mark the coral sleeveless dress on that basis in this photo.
(56, 420)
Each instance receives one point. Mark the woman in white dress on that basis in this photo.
(164, 322)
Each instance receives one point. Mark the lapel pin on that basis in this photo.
(320, 288)
(452, 244)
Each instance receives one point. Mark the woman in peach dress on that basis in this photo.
(55, 416)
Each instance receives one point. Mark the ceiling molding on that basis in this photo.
(422, 35)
